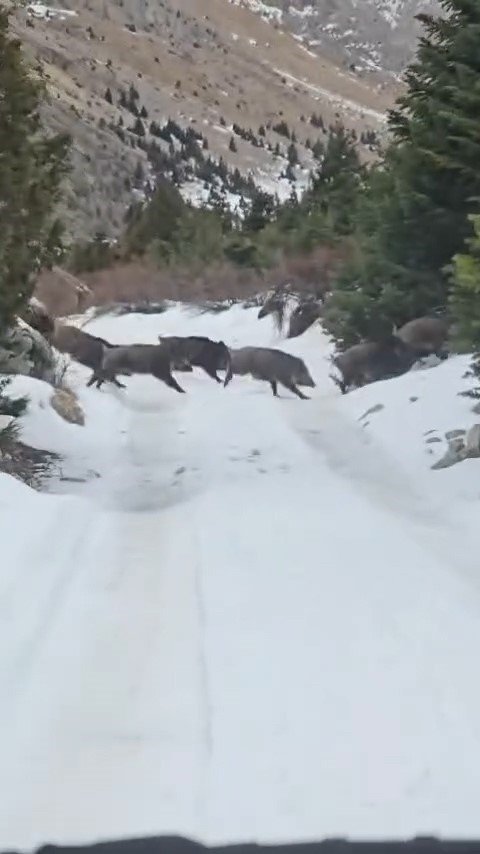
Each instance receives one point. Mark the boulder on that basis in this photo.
(37, 316)
(462, 445)
(24, 350)
(472, 441)
(65, 404)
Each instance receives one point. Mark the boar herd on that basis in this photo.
(175, 353)
(358, 365)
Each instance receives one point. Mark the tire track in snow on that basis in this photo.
(348, 451)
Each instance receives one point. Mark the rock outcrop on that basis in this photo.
(65, 404)
(462, 445)
(24, 350)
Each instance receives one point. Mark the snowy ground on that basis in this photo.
(259, 619)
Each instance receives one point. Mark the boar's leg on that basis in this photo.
(293, 387)
(212, 372)
(172, 383)
(273, 384)
(99, 378)
(93, 378)
(118, 383)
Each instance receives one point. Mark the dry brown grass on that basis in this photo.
(137, 281)
(61, 293)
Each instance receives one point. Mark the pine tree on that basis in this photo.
(415, 215)
(464, 304)
(139, 175)
(232, 144)
(108, 95)
(261, 211)
(138, 127)
(464, 300)
(156, 221)
(337, 184)
(32, 167)
(435, 160)
(292, 154)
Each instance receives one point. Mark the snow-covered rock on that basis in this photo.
(65, 404)
(26, 351)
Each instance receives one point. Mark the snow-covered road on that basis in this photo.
(255, 624)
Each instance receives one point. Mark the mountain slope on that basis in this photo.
(376, 37)
(203, 62)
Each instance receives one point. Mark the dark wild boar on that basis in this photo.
(199, 352)
(272, 366)
(83, 347)
(151, 359)
(371, 361)
(426, 336)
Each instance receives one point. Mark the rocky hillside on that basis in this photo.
(375, 38)
(119, 69)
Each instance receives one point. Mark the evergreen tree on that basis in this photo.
(318, 150)
(108, 95)
(32, 167)
(155, 221)
(232, 144)
(290, 173)
(435, 159)
(261, 211)
(138, 127)
(464, 304)
(10, 406)
(336, 186)
(464, 301)
(292, 154)
(415, 215)
(139, 175)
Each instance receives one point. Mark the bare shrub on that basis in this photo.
(136, 281)
(30, 465)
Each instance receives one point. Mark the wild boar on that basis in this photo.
(151, 359)
(272, 366)
(371, 361)
(83, 347)
(302, 318)
(426, 336)
(200, 352)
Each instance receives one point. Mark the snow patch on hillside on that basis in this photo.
(267, 12)
(46, 13)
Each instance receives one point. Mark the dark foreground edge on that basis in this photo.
(179, 845)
